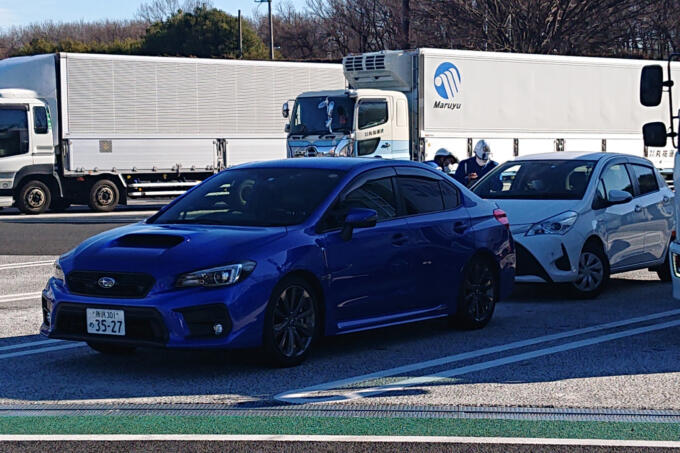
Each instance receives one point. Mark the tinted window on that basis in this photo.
(534, 179)
(376, 194)
(450, 194)
(420, 195)
(646, 179)
(254, 197)
(13, 132)
(40, 124)
(616, 178)
(372, 113)
(367, 147)
(310, 115)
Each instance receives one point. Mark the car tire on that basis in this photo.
(664, 270)
(34, 197)
(593, 273)
(291, 323)
(477, 295)
(104, 196)
(111, 349)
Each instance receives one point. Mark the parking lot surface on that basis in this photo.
(542, 349)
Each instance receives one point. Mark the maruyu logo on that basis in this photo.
(447, 83)
(447, 80)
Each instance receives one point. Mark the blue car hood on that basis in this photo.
(168, 250)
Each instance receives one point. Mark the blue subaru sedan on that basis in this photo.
(276, 254)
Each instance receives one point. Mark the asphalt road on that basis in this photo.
(540, 350)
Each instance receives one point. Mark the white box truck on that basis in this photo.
(410, 104)
(98, 129)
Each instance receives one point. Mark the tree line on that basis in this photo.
(326, 30)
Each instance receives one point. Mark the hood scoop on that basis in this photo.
(149, 241)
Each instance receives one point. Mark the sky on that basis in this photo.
(23, 12)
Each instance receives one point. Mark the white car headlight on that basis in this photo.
(58, 273)
(216, 276)
(558, 224)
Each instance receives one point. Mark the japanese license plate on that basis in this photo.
(105, 322)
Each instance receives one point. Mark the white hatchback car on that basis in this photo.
(578, 217)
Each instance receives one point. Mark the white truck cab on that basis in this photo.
(26, 146)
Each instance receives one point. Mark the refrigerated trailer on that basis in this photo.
(411, 104)
(100, 129)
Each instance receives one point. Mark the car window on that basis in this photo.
(376, 194)
(372, 113)
(646, 179)
(450, 194)
(616, 178)
(420, 195)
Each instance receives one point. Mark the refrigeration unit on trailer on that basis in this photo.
(410, 104)
(99, 129)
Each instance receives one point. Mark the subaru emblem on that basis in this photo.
(106, 282)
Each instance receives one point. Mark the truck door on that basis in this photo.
(374, 129)
(42, 144)
(14, 141)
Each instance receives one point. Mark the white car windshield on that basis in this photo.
(537, 179)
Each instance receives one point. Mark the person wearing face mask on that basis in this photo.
(473, 168)
(444, 160)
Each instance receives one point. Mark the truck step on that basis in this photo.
(149, 185)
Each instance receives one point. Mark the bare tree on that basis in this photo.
(160, 10)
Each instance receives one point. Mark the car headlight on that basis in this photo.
(216, 276)
(58, 273)
(558, 224)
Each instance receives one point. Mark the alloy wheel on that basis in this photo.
(294, 321)
(479, 291)
(590, 272)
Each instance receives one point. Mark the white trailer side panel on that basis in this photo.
(148, 98)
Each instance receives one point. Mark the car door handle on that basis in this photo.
(399, 239)
(638, 208)
(460, 227)
(386, 145)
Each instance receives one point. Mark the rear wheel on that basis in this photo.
(593, 273)
(104, 196)
(477, 298)
(291, 323)
(111, 349)
(34, 197)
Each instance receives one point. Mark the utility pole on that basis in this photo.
(271, 28)
(240, 35)
(406, 24)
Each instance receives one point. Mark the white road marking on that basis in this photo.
(295, 396)
(334, 438)
(27, 264)
(29, 345)
(41, 350)
(18, 297)
(363, 393)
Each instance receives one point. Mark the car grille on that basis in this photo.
(127, 285)
(143, 325)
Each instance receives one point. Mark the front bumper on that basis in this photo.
(6, 202)
(547, 258)
(175, 319)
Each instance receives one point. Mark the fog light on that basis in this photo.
(218, 329)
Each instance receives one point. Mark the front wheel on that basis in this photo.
(477, 297)
(291, 323)
(34, 197)
(593, 273)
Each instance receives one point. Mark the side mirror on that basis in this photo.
(358, 218)
(618, 197)
(285, 110)
(651, 85)
(286, 128)
(655, 134)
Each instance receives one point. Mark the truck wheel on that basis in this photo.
(104, 196)
(34, 197)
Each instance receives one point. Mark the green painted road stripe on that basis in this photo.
(353, 426)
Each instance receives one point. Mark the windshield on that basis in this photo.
(534, 179)
(13, 132)
(254, 197)
(310, 115)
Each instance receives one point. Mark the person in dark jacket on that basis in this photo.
(473, 168)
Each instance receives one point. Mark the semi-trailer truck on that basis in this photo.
(101, 129)
(411, 104)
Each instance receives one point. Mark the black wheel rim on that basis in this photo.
(294, 321)
(35, 198)
(479, 291)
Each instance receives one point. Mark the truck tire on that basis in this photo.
(34, 197)
(104, 196)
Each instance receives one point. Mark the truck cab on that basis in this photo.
(26, 147)
(352, 122)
